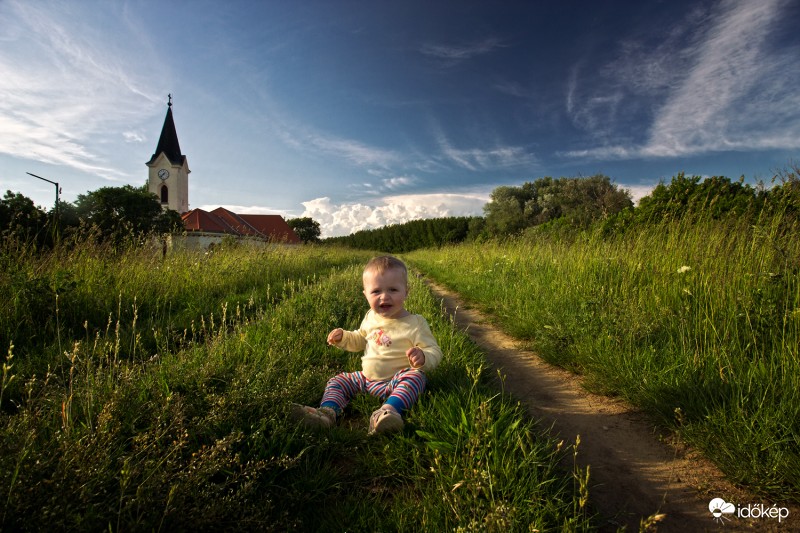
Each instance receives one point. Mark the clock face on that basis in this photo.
(163, 173)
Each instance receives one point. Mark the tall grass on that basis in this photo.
(83, 291)
(189, 430)
(698, 324)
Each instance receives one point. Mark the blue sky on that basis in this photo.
(361, 114)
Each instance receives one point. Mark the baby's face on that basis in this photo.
(386, 292)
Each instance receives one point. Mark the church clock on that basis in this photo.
(163, 173)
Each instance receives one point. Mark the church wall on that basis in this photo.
(202, 241)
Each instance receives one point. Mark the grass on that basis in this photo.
(699, 325)
(152, 394)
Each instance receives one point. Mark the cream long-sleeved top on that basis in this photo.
(385, 342)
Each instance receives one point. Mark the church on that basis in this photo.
(168, 179)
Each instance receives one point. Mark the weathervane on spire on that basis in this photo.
(169, 102)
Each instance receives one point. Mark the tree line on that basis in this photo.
(552, 206)
(568, 205)
(109, 214)
(398, 238)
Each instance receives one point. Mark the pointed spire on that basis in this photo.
(168, 142)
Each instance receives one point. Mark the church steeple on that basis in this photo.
(168, 168)
(168, 141)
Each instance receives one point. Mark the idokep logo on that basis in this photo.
(720, 508)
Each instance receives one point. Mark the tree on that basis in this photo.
(306, 228)
(506, 213)
(580, 201)
(19, 215)
(120, 211)
(585, 200)
(697, 198)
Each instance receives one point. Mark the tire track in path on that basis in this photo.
(636, 470)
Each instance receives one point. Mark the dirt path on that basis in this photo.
(636, 471)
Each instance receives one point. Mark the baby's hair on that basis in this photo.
(386, 262)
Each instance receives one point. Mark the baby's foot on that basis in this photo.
(323, 417)
(385, 421)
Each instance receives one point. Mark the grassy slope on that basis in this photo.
(698, 325)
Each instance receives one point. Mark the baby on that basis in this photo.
(398, 349)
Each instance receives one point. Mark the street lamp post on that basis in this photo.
(58, 192)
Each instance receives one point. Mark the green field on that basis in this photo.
(141, 393)
(149, 393)
(697, 324)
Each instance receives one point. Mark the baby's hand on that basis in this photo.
(335, 336)
(416, 357)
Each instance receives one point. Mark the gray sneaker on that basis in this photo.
(385, 421)
(321, 418)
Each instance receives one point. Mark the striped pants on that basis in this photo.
(401, 391)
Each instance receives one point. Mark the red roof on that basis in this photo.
(220, 220)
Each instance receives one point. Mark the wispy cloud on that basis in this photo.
(453, 54)
(596, 113)
(133, 136)
(60, 85)
(383, 187)
(485, 158)
(398, 182)
(727, 90)
(354, 151)
(513, 88)
(733, 75)
(305, 138)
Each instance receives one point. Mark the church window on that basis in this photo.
(164, 194)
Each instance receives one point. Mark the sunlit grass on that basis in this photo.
(165, 406)
(697, 324)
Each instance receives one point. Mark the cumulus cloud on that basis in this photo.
(344, 219)
(638, 191)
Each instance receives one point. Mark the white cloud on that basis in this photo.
(481, 159)
(638, 192)
(733, 72)
(353, 151)
(726, 90)
(397, 182)
(55, 56)
(306, 139)
(133, 136)
(344, 219)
